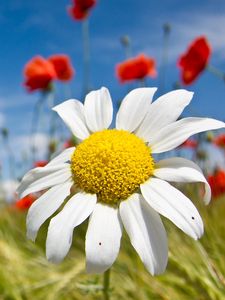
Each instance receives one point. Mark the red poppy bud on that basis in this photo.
(80, 9)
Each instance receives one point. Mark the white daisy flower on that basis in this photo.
(116, 179)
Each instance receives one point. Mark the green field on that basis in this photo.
(196, 270)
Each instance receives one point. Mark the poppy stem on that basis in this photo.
(86, 57)
(34, 125)
(142, 82)
(126, 43)
(106, 285)
(216, 72)
(164, 62)
(8, 149)
(52, 129)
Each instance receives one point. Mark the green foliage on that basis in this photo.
(196, 270)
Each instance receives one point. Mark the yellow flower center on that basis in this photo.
(112, 164)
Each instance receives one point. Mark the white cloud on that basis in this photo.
(21, 146)
(8, 190)
(39, 141)
(184, 28)
(191, 26)
(15, 166)
(15, 101)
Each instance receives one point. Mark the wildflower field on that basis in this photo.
(112, 157)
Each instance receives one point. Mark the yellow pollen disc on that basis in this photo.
(112, 164)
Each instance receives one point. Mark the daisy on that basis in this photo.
(112, 178)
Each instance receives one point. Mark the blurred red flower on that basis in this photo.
(195, 60)
(40, 163)
(217, 183)
(63, 66)
(135, 68)
(68, 144)
(39, 73)
(26, 202)
(80, 9)
(220, 141)
(189, 143)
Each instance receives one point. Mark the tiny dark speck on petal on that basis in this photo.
(192, 218)
(99, 243)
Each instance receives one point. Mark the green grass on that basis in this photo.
(196, 270)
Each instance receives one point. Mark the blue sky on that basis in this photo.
(28, 28)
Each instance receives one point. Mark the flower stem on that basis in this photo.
(106, 284)
(126, 43)
(52, 121)
(164, 60)
(216, 72)
(142, 82)
(86, 57)
(9, 152)
(216, 275)
(34, 125)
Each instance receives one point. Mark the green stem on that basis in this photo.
(86, 57)
(126, 43)
(34, 125)
(164, 63)
(216, 72)
(106, 284)
(142, 82)
(51, 104)
(11, 158)
(218, 278)
(52, 121)
(128, 51)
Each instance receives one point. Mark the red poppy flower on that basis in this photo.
(63, 66)
(217, 183)
(40, 163)
(189, 143)
(39, 73)
(81, 8)
(26, 202)
(195, 60)
(220, 141)
(136, 68)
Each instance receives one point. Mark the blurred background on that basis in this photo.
(55, 50)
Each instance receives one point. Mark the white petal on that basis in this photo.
(102, 238)
(146, 232)
(60, 230)
(41, 178)
(174, 134)
(165, 110)
(63, 157)
(98, 109)
(174, 205)
(45, 206)
(72, 113)
(134, 108)
(178, 169)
